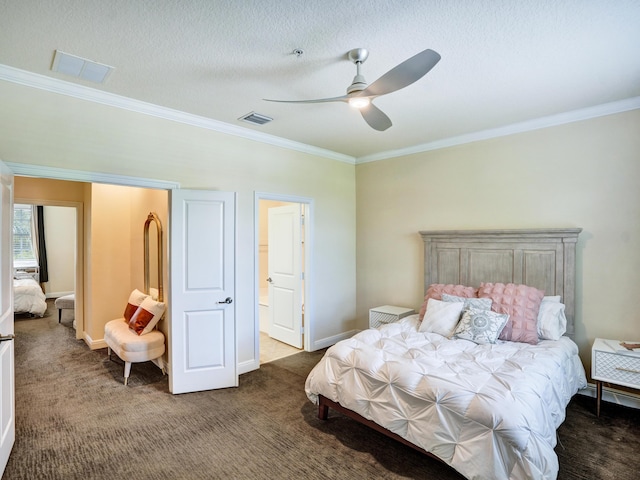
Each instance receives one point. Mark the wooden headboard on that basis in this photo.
(541, 258)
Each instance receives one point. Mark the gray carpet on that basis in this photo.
(76, 420)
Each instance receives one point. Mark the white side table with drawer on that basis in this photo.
(612, 363)
(379, 316)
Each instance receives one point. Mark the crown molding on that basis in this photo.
(535, 124)
(82, 92)
(40, 171)
(54, 85)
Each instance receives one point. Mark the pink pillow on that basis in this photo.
(521, 303)
(436, 290)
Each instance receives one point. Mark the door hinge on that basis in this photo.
(302, 330)
(302, 276)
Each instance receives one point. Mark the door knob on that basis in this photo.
(226, 300)
(269, 280)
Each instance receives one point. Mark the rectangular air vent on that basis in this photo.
(255, 118)
(80, 67)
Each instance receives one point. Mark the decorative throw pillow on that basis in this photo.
(481, 303)
(552, 322)
(436, 290)
(147, 316)
(441, 317)
(135, 300)
(521, 303)
(480, 326)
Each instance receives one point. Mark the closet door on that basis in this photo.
(202, 331)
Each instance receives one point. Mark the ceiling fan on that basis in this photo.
(360, 95)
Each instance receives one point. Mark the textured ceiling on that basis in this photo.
(503, 61)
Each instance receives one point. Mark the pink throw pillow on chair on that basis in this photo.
(135, 300)
(147, 316)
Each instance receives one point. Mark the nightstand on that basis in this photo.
(379, 316)
(612, 363)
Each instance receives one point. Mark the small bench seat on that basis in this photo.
(67, 302)
(133, 348)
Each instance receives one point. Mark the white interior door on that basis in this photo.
(202, 332)
(7, 385)
(285, 274)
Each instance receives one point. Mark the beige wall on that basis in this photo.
(585, 174)
(60, 238)
(41, 128)
(116, 249)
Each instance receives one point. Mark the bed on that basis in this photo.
(28, 296)
(489, 410)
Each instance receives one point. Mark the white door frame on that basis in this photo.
(308, 210)
(79, 255)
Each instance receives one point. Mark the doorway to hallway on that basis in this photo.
(283, 251)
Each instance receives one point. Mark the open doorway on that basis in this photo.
(61, 274)
(283, 253)
(107, 258)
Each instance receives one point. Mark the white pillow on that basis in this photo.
(552, 322)
(551, 298)
(441, 317)
(147, 316)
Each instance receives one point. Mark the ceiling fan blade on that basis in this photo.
(375, 117)
(343, 98)
(403, 74)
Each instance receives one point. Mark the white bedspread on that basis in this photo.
(489, 411)
(28, 297)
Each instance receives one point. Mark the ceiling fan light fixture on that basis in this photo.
(359, 102)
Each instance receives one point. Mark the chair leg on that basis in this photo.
(109, 352)
(127, 371)
(59, 315)
(161, 365)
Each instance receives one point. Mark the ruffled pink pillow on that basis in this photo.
(436, 290)
(521, 303)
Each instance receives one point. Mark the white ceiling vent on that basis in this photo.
(80, 67)
(255, 118)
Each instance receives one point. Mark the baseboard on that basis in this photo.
(329, 341)
(94, 344)
(612, 395)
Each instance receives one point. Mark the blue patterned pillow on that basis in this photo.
(479, 303)
(480, 326)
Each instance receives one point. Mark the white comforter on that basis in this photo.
(489, 411)
(28, 297)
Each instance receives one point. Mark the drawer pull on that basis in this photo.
(630, 370)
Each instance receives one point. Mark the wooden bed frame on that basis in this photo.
(541, 258)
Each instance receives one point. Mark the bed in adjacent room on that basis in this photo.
(481, 378)
(28, 296)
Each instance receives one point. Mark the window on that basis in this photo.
(23, 244)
